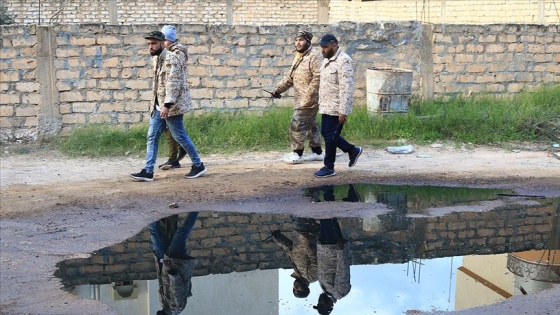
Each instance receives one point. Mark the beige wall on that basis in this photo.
(448, 11)
(283, 12)
(171, 11)
(55, 78)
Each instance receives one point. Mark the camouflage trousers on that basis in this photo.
(304, 126)
(172, 145)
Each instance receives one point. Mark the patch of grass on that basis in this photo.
(530, 116)
(104, 140)
(526, 116)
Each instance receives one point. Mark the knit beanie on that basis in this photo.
(305, 35)
(169, 32)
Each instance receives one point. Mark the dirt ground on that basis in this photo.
(54, 207)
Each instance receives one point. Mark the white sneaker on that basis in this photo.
(314, 157)
(293, 158)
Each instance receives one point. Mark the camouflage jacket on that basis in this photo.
(336, 88)
(302, 253)
(334, 269)
(174, 290)
(304, 77)
(170, 82)
(176, 46)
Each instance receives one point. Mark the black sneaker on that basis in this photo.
(182, 154)
(143, 176)
(354, 156)
(169, 165)
(196, 171)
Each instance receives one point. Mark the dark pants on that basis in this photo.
(175, 245)
(329, 231)
(331, 129)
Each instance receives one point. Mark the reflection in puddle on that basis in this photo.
(276, 264)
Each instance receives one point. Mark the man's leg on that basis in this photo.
(159, 245)
(329, 232)
(177, 129)
(178, 247)
(313, 132)
(297, 131)
(157, 125)
(172, 145)
(330, 132)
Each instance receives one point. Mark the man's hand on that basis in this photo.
(275, 94)
(164, 112)
(341, 119)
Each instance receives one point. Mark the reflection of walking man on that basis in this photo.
(175, 266)
(336, 95)
(333, 261)
(302, 251)
(304, 77)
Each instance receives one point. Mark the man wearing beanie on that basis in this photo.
(304, 77)
(176, 152)
(170, 100)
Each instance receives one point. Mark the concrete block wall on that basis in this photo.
(501, 58)
(234, 242)
(20, 95)
(56, 78)
(102, 73)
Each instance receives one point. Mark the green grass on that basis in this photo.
(479, 120)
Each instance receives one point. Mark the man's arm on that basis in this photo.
(346, 86)
(282, 240)
(173, 80)
(315, 68)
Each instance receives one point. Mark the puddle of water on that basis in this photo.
(398, 261)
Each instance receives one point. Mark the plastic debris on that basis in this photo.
(436, 145)
(424, 156)
(405, 149)
(555, 148)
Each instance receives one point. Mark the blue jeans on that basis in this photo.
(177, 129)
(176, 247)
(331, 130)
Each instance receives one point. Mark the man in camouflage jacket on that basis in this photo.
(175, 267)
(333, 261)
(336, 95)
(176, 152)
(304, 77)
(302, 251)
(170, 100)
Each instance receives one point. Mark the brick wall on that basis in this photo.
(102, 73)
(55, 78)
(228, 242)
(283, 12)
(171, 11)
(448, 11)
(494, 58)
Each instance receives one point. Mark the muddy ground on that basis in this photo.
(54, 207)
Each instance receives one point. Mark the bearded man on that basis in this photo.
(304, 77)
